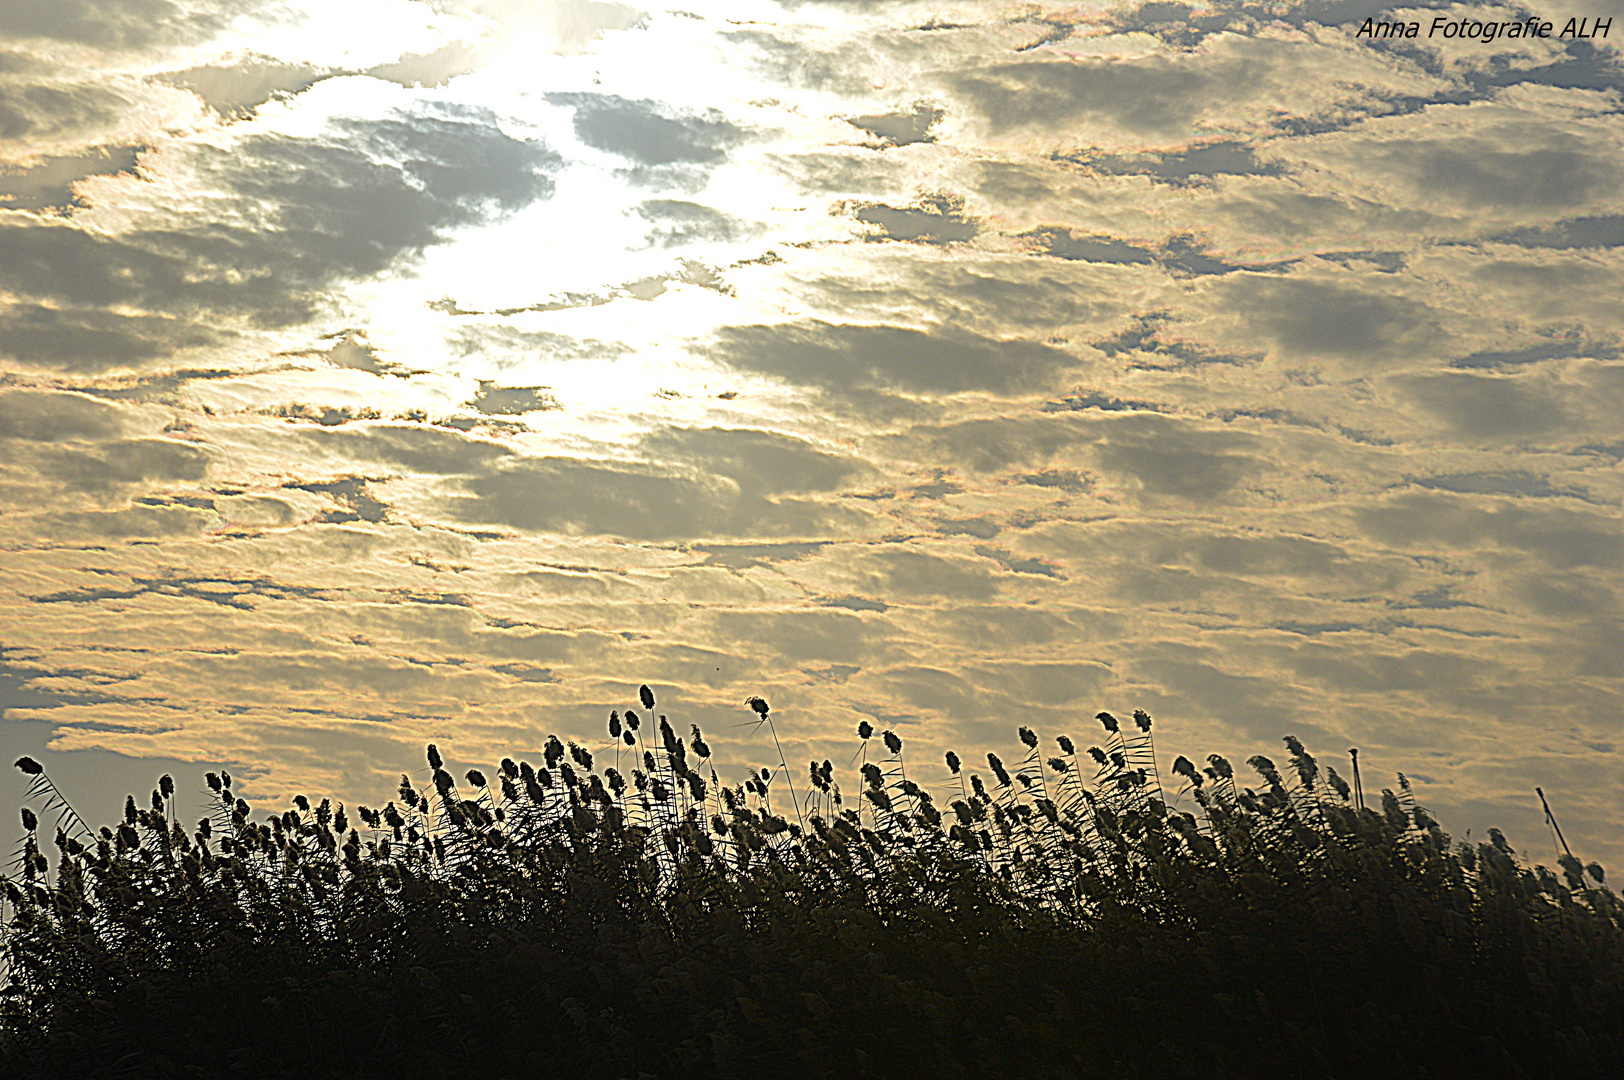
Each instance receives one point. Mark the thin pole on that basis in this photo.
(1550, 817)
(1358, 788)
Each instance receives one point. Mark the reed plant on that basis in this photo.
(1063, 920)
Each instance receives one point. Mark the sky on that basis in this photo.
(393, 372)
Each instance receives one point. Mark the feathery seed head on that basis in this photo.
(1066, 745)
(476, 778)
(1221, 767)
(30, 822)
(1029, 738)
(1142, 719)
(892, 742)
(646, 696)
(435, 761)
(614, 724)
(632, 720)
(758, 705)
(864, 730)
(29, 767)
(1109, 721)
(953, 763)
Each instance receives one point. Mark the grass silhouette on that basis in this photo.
(1056, 919)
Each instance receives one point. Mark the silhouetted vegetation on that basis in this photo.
(581, 918)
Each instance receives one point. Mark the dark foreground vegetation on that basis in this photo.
(577, 918)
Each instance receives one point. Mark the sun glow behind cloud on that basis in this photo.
(393, 371)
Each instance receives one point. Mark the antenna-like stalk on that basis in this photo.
(1550, 817)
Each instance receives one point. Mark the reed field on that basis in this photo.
(1051, 913)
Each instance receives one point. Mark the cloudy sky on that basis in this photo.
(396, 371)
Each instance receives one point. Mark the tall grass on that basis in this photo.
(1058, 918)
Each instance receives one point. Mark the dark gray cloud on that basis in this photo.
(48, 184)
(1158, 96)
(1596, 231)
(417, 447)
(1182, 254)
(122, 462)
(127, 24)
(1480, 172)
(647, 133)
(353, 493)
(1566, 346)
(236, 90)
(900, 128)
(1495, 408)
(53, 416)
(1347, 318)
(1170, 456)
(512, 400)
(1510, 482)
(989, 445)
(1560, 537)
(1082, 400)
(850, 361)
(1193, 165)
(1144, 344)
(934, 219)
(40, 110)
(710, 482)
(336, 209)
(1064, 244)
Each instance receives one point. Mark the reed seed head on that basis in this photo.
(29, 767)
(646, 696)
